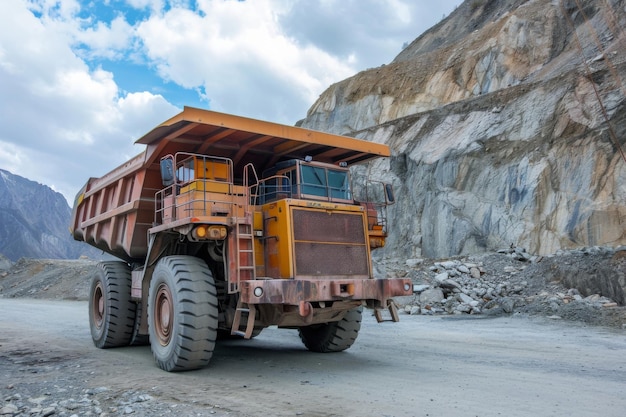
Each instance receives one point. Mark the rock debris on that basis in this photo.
(515, 281)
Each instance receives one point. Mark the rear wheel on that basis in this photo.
(335, 336)
(182, 313)
(111, 310)
(139, 339)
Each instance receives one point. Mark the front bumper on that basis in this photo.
(297, 291)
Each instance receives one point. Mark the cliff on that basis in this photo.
(506, 122)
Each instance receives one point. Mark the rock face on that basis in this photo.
(506, 121)
(34, 222)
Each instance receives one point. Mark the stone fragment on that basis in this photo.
(507, 304)
(412, 263)
(48, 411)
(475, 272)
(37, 400)
(463, 308)
(448, 264)
(8, 410)
(441, 277)
(419, 288)
(463, 269)
(431, 296)
(573, 291)
(519, 257)
(464, 298)
(450, 283)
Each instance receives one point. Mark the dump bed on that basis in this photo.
(114, 212)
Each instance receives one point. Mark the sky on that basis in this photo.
(81, 80)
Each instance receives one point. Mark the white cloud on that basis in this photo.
(107, 40)
(64, 118)
(240, 56)
(61, 122)
(154, 5)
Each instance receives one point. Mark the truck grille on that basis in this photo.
(329, 243)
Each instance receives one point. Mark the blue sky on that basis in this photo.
(81, 80)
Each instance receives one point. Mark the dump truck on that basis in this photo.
(226, 225)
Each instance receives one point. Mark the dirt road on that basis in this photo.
(422, 366)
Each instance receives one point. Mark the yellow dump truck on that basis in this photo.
(225, 225)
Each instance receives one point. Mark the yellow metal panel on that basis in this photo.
(325, 205)
(211, 170)
(259, 244)
(199, 203)
(209, 186)
(278, 246)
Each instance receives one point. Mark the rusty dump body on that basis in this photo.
(114, 212)
(265, 210)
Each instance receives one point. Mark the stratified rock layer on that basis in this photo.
(505, 133)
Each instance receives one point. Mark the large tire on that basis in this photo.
(111, 310)
(182, 313)
(332, 337)
(139, 339)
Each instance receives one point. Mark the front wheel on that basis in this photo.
(111, 310)
(182, 313)
(335, 336)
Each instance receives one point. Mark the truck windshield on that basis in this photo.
(324, 182)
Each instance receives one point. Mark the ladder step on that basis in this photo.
(250, 310)
(393, 311)
(244, 259)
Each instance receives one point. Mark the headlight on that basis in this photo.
(204, 232)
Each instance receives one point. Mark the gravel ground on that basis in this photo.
(584, 286)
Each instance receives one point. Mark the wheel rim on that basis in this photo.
(97, 305)
(164, 307)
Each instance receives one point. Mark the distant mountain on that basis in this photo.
(34, 222)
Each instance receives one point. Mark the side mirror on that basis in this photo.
(167, 171)
(391, 199)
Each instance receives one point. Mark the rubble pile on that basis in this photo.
(509, 281)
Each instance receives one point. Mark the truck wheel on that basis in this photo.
(182, 313)
(139, 339)
(111, 311)
(332, 337)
